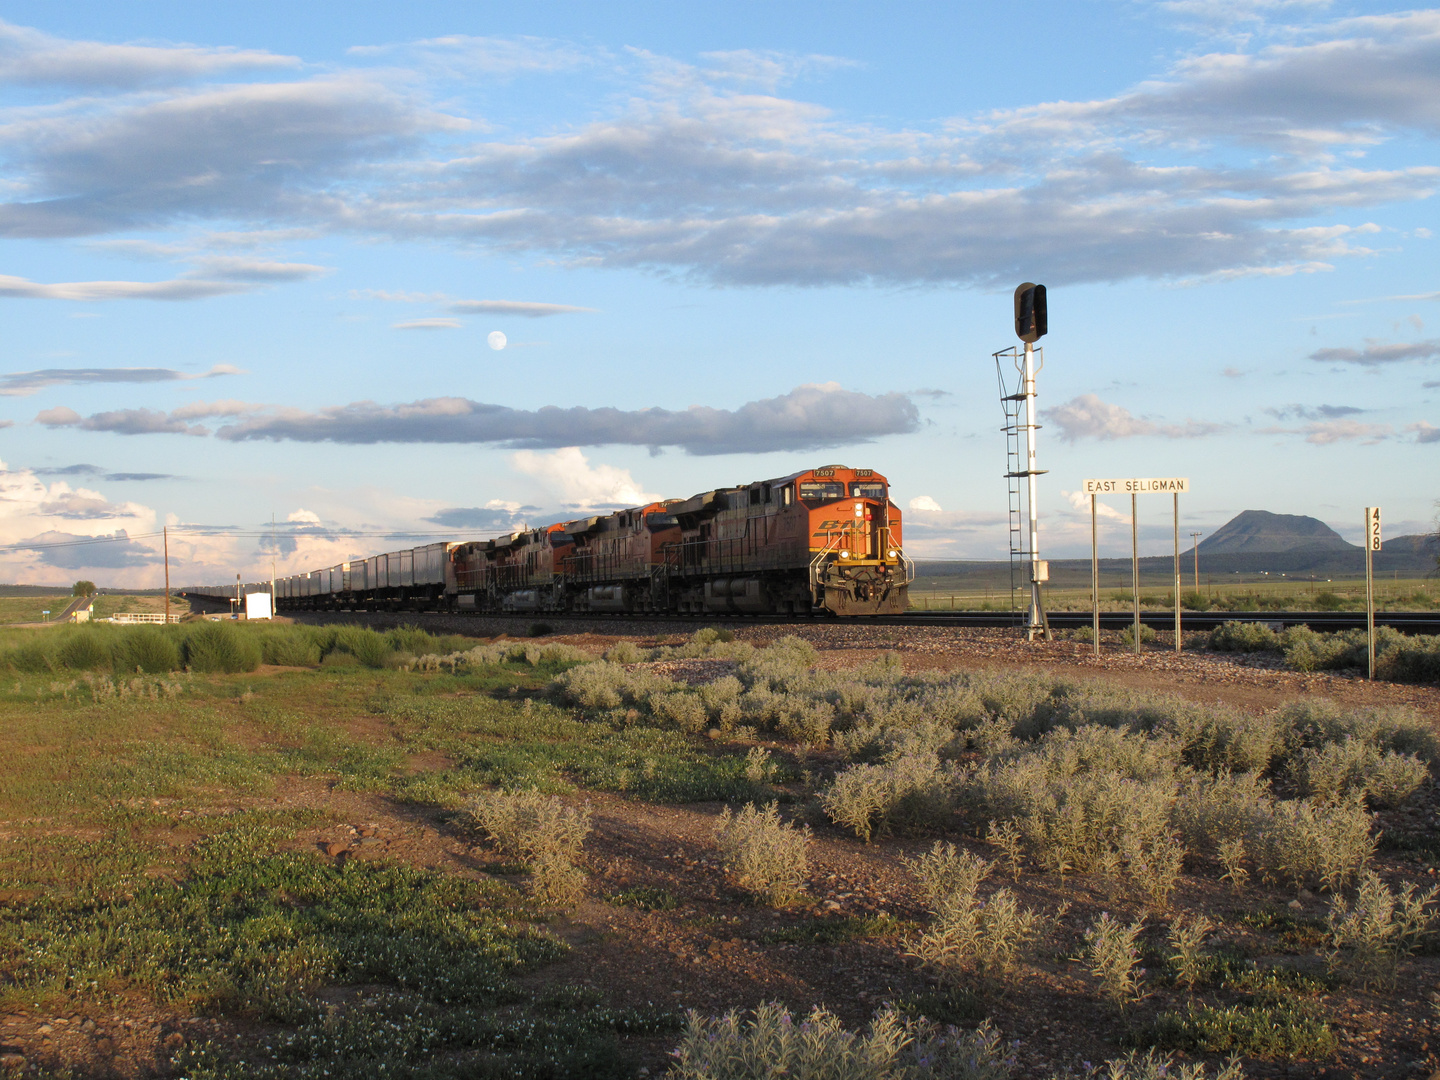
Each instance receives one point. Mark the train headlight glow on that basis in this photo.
(844, 554)
(892, 553)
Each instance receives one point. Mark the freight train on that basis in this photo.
(824, 540)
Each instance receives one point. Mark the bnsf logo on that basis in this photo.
(834, 525)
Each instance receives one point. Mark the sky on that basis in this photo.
(255, 261)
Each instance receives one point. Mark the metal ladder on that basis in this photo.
(1016, 424)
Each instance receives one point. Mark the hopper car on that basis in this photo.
(820, 541)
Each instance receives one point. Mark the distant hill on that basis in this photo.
(1259, 532)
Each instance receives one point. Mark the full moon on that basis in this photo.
(496, 340)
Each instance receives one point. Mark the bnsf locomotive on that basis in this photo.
(822, 540)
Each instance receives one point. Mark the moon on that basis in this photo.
(496, 340)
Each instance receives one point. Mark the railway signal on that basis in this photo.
(1031, 324)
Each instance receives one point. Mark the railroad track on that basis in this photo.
(1408, 622)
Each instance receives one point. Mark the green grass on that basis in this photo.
(646, 898)
(253, 930)
(1278, 1029)
(28, 609)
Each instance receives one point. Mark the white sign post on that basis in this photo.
(1372, 545)
(1134, 486)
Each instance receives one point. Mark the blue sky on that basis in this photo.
(250, 257)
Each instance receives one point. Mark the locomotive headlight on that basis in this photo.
(844, 554)
(892, 553)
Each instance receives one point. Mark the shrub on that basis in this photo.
(1270, 1029)
(1370, 938)
(1326, 845)
(1147, 635)
(1411, 659)
(763, 855)
(1244, 637)
(1187, 938)
(542, 830)
(1154, 863)
(1220, 737)
(1353, 766)
(290, 647)
(84, 651)
(1314, 723)
(771, 1044)
(1114, 957)
(220, 647)
(409, 639)
(1149, 1067)
(146, 649)
(909, 790)
(624, 652)
(988, 938)
(368, 647)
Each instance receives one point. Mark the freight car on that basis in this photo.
(816, 541)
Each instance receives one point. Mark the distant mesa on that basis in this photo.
(1259, 532)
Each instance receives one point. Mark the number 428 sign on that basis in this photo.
(1372, 528)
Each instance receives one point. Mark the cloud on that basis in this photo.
(428, 324)
(30, 57)
(120, 421)
(925, 503)
(1325, 432)
(1088, 417)
(25, 383)
(1318, 412)
(581, 486)
(809, 417)
(136, 477)
(1223, 165)
(523, 308)
(175, 289)
(1232, 373)
(1425, 433)
(303, 517)
(1375, 353)
(81, 551)
(262, 152)
(35, 514)
(496, 516)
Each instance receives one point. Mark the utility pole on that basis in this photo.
(166, 533)
(1195, 550)
(272, 564)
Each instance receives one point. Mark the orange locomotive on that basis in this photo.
(816, 541)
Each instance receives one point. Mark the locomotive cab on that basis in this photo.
(857, 561)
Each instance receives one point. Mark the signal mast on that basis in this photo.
(1030, 327)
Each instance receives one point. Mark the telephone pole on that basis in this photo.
(166, 533)
(1195, 550)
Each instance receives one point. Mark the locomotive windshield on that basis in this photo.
(867, 490)
(661, 521)
(821, 490)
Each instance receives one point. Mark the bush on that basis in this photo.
(1244, 637)
(368, 647)
(967, 935)
(1187, 938)
(1353, 767)
(1370, 938)
(541, 830)
(1411, 659)
(908, 791)
(771, 1044)
(624, 652)
(1285, 1029)
(84, 651)
(763, 855)
(219, 647)
(1147, 635)
(146, 649)
(1114, 957)
(1326, 845)
(290, 646)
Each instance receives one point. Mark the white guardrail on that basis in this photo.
(142, 617)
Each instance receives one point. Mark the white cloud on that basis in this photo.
(29, 56)
(1325, 432)
(307, 517)
(925, 503)
(524, 308)
(183, 288)
(25, 383)
(428, 324)
(579, 485)
(1088, 417)
(1375, 353)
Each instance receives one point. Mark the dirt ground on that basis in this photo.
(716, 951)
